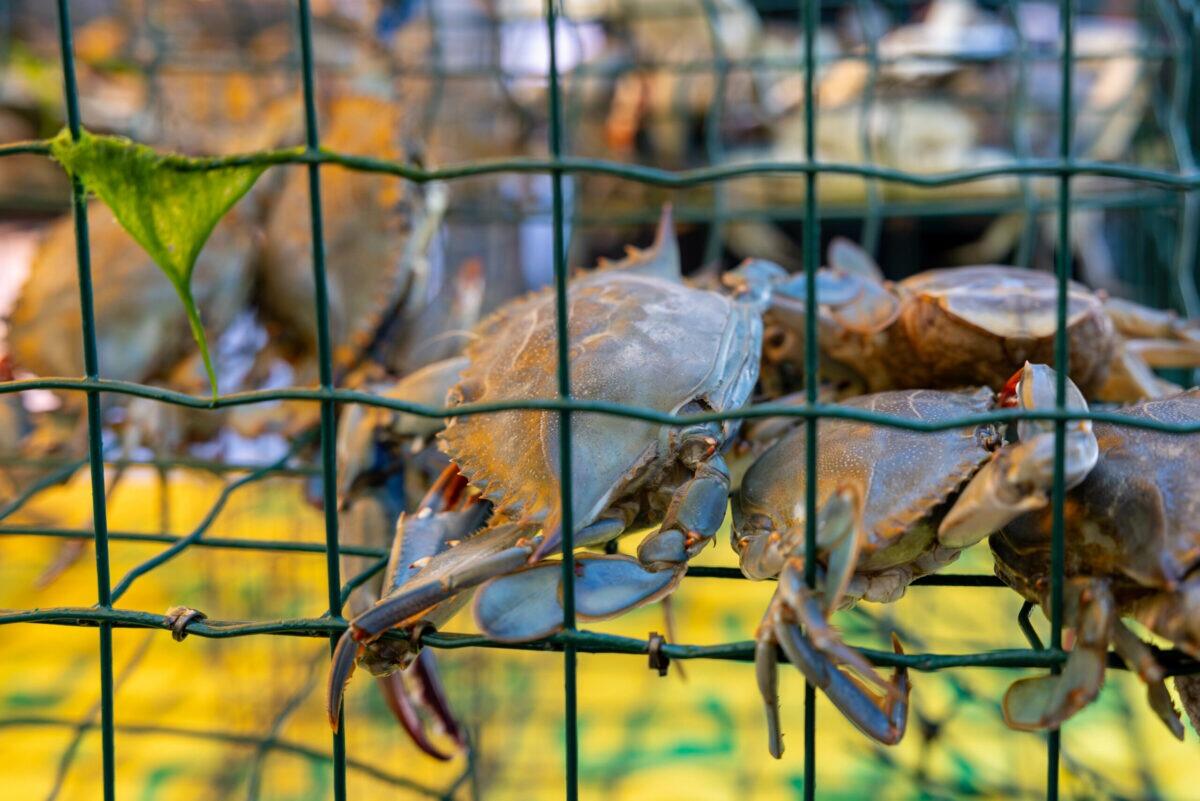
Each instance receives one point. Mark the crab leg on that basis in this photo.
(398, 700)
(526, 605)
(1152, 338)
(766, 670)
(1045, 702)
(1188, 688)
(359, 438)
(697, 507)
(1134, 321)
(1130, 378)
(1140, 658)
(1018, 480)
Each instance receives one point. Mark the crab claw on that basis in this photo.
(406, 706)
(527, 605)
(424, 550)
(817, 651)
(1045, 702)
(1019, 478)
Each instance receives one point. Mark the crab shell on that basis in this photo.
(958, 327)
(142, 329)
(905, 478)
(1132, 521)
(635, 340)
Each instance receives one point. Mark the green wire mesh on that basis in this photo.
(1155, 189)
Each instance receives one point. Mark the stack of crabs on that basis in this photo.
(893, 502)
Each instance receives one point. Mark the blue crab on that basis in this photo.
(639, 336)
(1132, 551)
(877, 335)
(892, 505)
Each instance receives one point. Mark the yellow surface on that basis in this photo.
(641, 736)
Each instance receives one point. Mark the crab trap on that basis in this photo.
(260, 259)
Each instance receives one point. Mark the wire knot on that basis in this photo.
(658, 660)
(179, 618)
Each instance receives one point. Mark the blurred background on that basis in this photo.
(918, 87)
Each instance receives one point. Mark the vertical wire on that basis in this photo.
(1061, 363)
(812, 241)
(713, 147)
(324, 353)
(1022, 143)
(873, 225)
(91, 363)
(567, 517)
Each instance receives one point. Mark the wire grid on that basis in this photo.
(572, 641)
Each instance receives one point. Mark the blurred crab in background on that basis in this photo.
(372, 260)
(965, 325)
(1132, 551)
(892, 505)
(142, 334)
(639, 337)
(929, 106)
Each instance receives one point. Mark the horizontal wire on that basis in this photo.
(820, 410)
(234, 543)
(200, 465)
(1174, 662)
(654, 176)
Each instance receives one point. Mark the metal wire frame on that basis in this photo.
(571, 641)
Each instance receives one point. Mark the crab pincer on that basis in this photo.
(892, 504)
(639, 337)
(447, 514)
(1131, 546)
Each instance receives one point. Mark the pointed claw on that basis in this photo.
(838, 527)
(433, 695)
(883, 721)
(1045, 702)
(820, 634)
(340, 670)
(395, 695)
